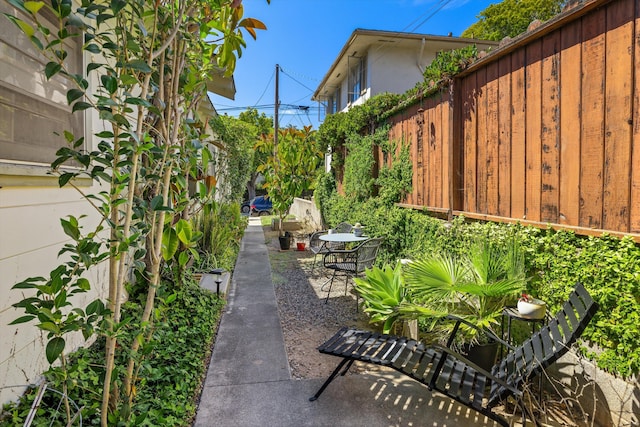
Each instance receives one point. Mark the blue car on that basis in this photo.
(261, 205)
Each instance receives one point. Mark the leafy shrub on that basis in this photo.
(172, 369)
(222, 226)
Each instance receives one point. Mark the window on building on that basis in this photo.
(334, 102)
(33, 110)
(357, 77)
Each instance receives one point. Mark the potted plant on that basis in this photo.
(474, 287)
(531, 308)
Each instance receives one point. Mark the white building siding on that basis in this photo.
(31, 240)
(31, 205)
(393, 70)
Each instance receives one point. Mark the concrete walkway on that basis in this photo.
(249, 383)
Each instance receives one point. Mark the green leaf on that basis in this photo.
(96, 306)
(80, 106)
(18, 5)
(65, 178)
(128, 79)
(156, 203)
(93, 48)
(70, 228)
(105, 134)
(26, 28)
(184, 231)
(170, 243)
(117, 5)
(171, 298)
(55, 347)
(139, 65)
(83, 284)
(183, 258)
(22, 319)
(110, 83)
(49, 326)
(73, 95)
(138, 101)
(93, 66)
(51, 69)
(33, 6)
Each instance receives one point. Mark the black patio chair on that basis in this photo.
(441, 369)
(351, 262)
(320, 247)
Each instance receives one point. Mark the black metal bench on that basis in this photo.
(443, 370)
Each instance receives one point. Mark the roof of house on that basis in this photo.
(222, 85)
(362, 39)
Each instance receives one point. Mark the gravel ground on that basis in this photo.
(306, 320)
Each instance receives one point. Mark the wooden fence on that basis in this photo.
(544, 130)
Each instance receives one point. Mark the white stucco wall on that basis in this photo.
(394, 70)
(307, 212)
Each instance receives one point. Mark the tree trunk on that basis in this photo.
(251, 186)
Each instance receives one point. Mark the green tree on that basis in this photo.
(150, 61)
(510, 18)
(291, 167)
(264, 126)
(235, 159)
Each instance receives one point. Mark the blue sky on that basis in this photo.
(305, 36)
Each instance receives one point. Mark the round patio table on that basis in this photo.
(342, 237)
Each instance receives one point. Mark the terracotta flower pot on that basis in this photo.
(300, 246)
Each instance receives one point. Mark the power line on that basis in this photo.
(434, 9)
(291, 77)
(265, 89)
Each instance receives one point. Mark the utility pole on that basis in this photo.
(275, 117)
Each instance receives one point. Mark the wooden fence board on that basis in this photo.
(435, 129)
(407, 131)
(459, 104)
(470, 88)
(570, 102)
(447, 155)
(491, 161)
(428, 153)
(482, 141)
(634, 214)
(419, 187)
(518, 135)
(533, 79)
(591, 161)
(504, 136)
(550, 132)
(618, 115)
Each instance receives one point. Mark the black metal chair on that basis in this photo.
(343, 227)
(317, 246)
(351, 262)
(320, 247)
(441, 369)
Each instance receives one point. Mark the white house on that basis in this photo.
(32, 110)
(373, 62)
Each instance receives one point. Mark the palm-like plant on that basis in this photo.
(474, 287)
(383, 291)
